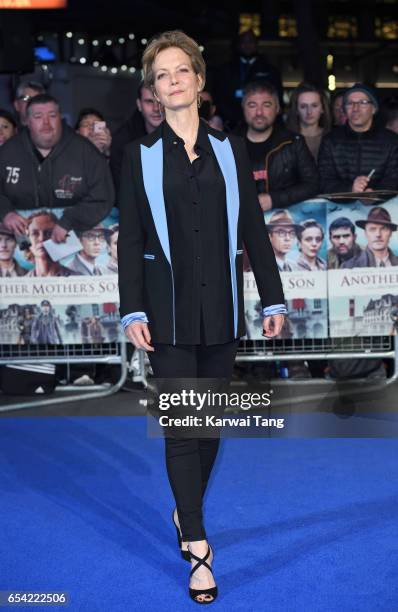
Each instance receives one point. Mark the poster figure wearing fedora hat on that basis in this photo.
(297, 237)
(282, 232)
(378, 229)
(363, 292)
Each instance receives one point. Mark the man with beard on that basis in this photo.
(342, 236)
(378, 229)
(283, 167)
(48, 166)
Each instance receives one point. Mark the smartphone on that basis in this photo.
(99, 126)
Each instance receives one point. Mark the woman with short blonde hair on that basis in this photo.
(187, 203)
(167, 40)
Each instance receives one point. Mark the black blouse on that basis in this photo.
(198, 231)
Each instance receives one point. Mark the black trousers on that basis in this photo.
(189, 461)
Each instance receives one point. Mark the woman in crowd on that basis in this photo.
(8, 126)
(91, 124)
(187, 202)
(309, 115)
(310, 236)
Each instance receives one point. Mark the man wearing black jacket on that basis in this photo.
(246, 66)
(283, 167)
(145, 119)
(49, 166)
(359, 156)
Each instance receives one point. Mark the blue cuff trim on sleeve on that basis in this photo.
(274, 310)
(132, 317)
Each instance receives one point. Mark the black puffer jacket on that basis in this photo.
(346, 154)
(291, 172)
(74, 176)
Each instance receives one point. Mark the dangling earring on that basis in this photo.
(161, 108)
(199, 100)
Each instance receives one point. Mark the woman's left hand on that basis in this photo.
(272, 326)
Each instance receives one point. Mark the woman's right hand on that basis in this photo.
(138, 334)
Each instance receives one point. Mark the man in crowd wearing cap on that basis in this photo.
(359, 156)
(93, 243)
(283, 167)
(378, 229)
(342, 237)
(48, 165)
(9, 267)
(282, 233)
(45, 328)
(25, 92)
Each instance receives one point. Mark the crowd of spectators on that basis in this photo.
(313, 144)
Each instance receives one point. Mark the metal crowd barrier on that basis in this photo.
(360, 347)
(306, 349)
(372, 347)
(110, 353)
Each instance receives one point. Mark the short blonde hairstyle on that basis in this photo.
(173, 38)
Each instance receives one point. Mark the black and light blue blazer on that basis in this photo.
(146, 281)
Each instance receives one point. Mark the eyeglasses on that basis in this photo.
(352, 103)
(284, 234)
(24, 98)
(91, 236)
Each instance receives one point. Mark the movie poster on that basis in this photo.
(298, 238)
(62, 293)
(363, 268)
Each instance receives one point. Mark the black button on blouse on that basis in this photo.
(196, 211)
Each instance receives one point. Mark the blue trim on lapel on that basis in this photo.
(152, 172)
(226, 160)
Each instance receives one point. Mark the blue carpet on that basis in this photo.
(297, 525)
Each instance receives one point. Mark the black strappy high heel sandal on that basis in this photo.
(213, 591)
(185, 554)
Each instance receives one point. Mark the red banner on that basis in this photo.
(33, 4)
